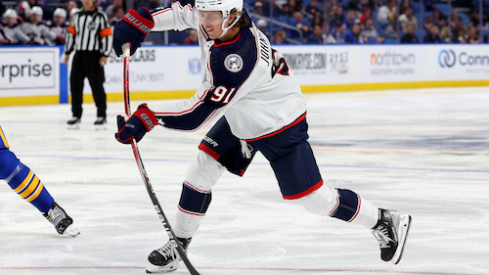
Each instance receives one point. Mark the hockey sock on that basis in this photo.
(193, 206)
(24, 182)
(353, 209)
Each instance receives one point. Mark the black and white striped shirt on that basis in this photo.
(89, 31)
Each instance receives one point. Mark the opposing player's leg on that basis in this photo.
(299, 179)
(219, 151)
(25, 183)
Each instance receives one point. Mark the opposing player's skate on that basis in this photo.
(74, 123)
(391, 231)
(61, 221)
(100, 123)
(166, 258)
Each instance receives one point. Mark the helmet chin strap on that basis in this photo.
(224, 29)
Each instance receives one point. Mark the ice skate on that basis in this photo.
(100, 123)
(61, 221)
(74, 123)
(166, 258)
(391, 231)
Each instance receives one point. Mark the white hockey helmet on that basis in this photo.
(60, 12)
(36, 10)
(224, 6)
(10, 13)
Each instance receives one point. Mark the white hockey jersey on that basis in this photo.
(245, 80)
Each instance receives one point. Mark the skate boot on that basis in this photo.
(100, 123)
(166, 258)
(391, 231)
(74, 123)
(61, 221)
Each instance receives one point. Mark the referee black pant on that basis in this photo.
(86, 64)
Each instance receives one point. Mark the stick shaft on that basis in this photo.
(144, 175)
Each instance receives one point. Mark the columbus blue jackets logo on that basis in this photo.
(233, 63)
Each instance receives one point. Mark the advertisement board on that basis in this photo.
(175, 71)
(29, 71)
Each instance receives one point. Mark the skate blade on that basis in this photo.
(72, 231)
(151, 268)
(404, 226)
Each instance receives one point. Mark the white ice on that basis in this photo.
(424, 152)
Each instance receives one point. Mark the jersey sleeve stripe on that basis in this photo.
(72, 29)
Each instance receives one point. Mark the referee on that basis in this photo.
(90, 36)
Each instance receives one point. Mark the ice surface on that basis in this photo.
(423, 152)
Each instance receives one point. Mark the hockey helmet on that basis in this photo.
(224, 6)
(10, 13)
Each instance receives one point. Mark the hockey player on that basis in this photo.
(25, 183)
(263, 109)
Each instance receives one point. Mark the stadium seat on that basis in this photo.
(420, 34)
(444, 8)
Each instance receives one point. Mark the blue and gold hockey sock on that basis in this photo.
(24, 182)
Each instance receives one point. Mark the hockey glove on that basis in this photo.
(141, 122)
(133, 29)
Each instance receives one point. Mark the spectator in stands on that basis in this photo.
(387, 18)
(58, 26)
(408, 18)
(192, 38)
(428, 22)
(404, 6)
(302, 24)
(458, 36)
(353, 36)
(279, 37)
(110, 9)
(437, 17)
(296, 5)
(444, 35)
(339, 32)
(313, 7)
(473, 36)
(350, 19)
(258, 7)
(432, 36)
(317, 36)
(118, 15)
(366, 13)
(409, 36)
(337, 16)
(70, 6)
(11, 30)
(318, 19)
(369, 32)
(25, 8)
(286, 11)
(261, 25)
(38, 32)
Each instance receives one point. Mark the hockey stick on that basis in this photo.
(173, 239)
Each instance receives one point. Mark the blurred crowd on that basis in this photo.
(37, 22)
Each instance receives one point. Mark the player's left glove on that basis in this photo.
(141, 122)
(133, 28)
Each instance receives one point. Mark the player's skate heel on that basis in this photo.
(61, 221)
(391, 231)
(166, 258)
(100, 123)
(74, 123)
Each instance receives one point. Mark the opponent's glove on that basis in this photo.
(141, 122)
(133, 28)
